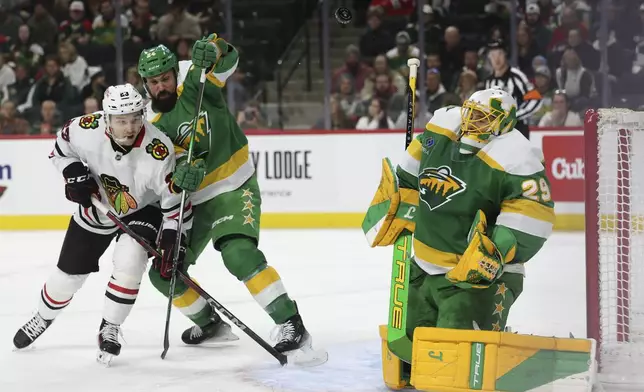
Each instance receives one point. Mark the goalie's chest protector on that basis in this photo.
(452, 188)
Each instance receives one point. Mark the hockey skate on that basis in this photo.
(217, 331)
(108, 342)
(294, 341)
(29, 332)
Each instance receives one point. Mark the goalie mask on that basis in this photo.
(124, 112)
(484, 115)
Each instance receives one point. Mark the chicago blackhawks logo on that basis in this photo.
(157, 149)
(90, 121)
(438, 186)
(118, 194)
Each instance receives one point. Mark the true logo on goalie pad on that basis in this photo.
(438, 186)
(118, 194)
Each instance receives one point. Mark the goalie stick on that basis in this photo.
(397, 340)
(181, 275)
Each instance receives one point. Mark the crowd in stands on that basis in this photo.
(558, 51)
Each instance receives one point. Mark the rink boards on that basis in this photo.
(309, 179)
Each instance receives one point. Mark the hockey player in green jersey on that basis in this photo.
(474, 193)
(226, 196)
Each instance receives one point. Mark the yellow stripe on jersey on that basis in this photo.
(236, 161)
(435, 256)
(262, 280)
(442, 131)
(415, 149)
(489, 161)
(530, 209)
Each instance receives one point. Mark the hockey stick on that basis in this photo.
(184, 194)
(186, 279)
(397, 340)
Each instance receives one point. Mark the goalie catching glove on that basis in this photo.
(391, 211)
(483, 260)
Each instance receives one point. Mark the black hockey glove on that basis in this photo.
(79, 184)
(164, 265)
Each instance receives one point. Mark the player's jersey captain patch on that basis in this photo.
(438, 186)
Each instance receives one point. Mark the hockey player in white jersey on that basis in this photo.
(127, 163)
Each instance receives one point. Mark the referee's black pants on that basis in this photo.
(523, 128)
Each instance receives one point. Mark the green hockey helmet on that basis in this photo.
(157, 60)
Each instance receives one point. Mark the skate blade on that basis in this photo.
(104, 358)
(307, 357)
(215, 341)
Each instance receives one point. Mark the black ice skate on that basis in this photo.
(108, 342)
(295, 341)
(216, 332)
(29, 332)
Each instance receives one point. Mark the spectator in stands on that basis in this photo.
(541, 34)
(104, 25)
(143, 22)
(19, 91)
(177, 23)
(527, 49)
(49, 119)
(184, 49)
(581, 9)
(376, 118)
(588, 55)
(576, 80)
(339, 119)
(569, 21)
(353, 67)
(560, 115)
(9, 24)
(386, 93)
(452, 55)
(433, 30)
(381, 67)
(434, 90)
(543, 84)
(420, 121)
(467, 85)
(96, 87)
(241, 94)
(349, 101)
(27, 52)
(10, 121)
(74, 66)
(90, 105)
(132, 77)
(7, 74)
(472, 63)
(77, 29)
(433, 60)
(376, 40)
(398, 56)
(43, 27)
(53, 86)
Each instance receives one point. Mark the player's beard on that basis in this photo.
(164, 102)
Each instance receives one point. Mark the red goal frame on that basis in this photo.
(593, 228)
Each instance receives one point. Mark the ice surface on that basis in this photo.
(340, 284)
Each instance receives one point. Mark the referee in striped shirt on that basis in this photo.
(514, 82)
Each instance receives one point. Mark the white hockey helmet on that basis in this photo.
(124, 110)
(491, 111)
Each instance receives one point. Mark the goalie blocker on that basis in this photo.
(454, 360)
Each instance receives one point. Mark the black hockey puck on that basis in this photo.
(343, 15)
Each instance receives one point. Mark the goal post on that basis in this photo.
(614, 208)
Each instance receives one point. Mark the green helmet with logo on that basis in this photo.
(157, 60)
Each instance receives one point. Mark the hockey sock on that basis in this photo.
(120, 296)
(57, 293)
(193, 306)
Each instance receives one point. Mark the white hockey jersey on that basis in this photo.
(127, 181)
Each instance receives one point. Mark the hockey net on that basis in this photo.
(614, 181)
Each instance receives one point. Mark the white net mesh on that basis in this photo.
(621, 246)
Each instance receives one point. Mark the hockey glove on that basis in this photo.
(391, 211)
(483, 260)
(79, 184)
(189, 176)
(164, 265)
(207, 51)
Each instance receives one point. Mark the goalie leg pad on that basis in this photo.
(392, 366)
(453, 360)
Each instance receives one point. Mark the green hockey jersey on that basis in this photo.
(505, 179)
(219, 140)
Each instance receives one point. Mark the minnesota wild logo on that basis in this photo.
(203, 131)
(90, 121)
(157, 149)
(118, 194)
(438, 186)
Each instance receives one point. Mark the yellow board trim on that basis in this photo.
(296, 220)
(529, 208)
(262, 280)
